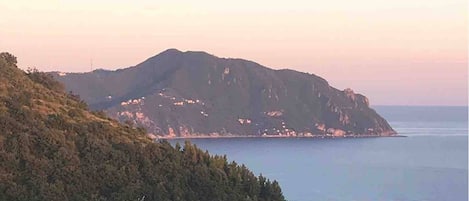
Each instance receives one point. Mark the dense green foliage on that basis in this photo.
(53, 148)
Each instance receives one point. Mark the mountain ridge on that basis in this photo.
(185, 89)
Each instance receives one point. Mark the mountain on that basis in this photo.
(189, 94)
(53, 148)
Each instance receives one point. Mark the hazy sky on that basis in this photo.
(399, 52)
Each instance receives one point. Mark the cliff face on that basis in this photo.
(197, 94)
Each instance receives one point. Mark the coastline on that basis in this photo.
(273, 136)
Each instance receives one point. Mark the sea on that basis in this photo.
(430, 164)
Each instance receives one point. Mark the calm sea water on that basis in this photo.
(431, 164)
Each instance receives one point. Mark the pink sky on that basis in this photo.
(395, 52)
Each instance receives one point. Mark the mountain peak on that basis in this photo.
(174, 52)
(171, 51)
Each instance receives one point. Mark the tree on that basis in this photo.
(9, 58)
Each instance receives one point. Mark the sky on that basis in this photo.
(396, 52)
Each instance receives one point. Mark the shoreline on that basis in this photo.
(275, 136)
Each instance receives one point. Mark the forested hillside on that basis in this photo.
(53, 148)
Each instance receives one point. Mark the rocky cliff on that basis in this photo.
(188, 94)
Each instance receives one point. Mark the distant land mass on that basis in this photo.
(196, 94)
(53, 148)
